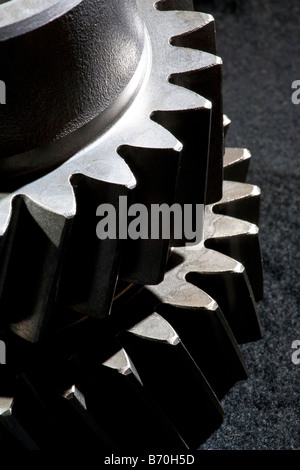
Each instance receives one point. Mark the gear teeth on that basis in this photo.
(172, 377)
(104, 169)
(240, 240)
(236, 164)
(239, 200)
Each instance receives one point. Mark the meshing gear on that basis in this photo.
(119, 344)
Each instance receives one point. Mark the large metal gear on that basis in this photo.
(111, 343)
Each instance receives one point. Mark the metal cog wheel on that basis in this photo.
(119, 344)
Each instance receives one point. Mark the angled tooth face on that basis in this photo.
(207, 337)
(191, 127)
(223, 279)
(233, 293)
(198, 37)
(117, 400)
(83, 285)
(153, 188)
(207, 82)
(240, 240)
(17, 436)
(169, 373)
(239, 200)
(33, 239)
(80, 427)
(203, 329)
(236, 164)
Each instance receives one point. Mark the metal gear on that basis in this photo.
(112, 343)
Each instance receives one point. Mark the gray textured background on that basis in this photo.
(259, 42)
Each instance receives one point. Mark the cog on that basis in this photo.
(118, 344)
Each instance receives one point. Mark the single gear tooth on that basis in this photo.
(207, 336)
(240, 240)
(178, 293)
(236, 164)
(133, 422)
(192, 127)
(12, 425)
(203, 329)
(32, 230)
(207, 82)
(80, 428)
(90, 269)
(197, 32)
(172, 377)
(220, 226)
(145, 163)
(239, 200)
(226, 281)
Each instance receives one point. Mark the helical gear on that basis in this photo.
(113, 343)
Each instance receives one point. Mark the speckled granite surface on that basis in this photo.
(259, 42)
